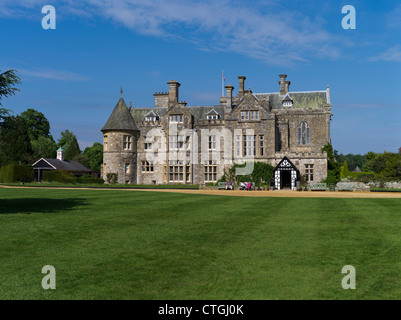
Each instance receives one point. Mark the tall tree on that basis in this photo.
(44, 148)
(95, 156)
(15, 145)
(38, 125)
(68, 141)
(8, 80)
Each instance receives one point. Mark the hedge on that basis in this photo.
(62, 176)
(16, 173)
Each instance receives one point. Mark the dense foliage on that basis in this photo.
(8, 80)
(262, 174)
(94, 155)
(374, 166)
(62, 176)
(16, 173)
(15, 144)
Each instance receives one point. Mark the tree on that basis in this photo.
(8, 80)
(38, 125)
(95, 156)
(68, 141)
(333, 167)
(82, 159)
(44, 148)
(15, 145)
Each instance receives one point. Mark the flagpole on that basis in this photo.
(222, 82)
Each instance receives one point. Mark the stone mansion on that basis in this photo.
(286, 129)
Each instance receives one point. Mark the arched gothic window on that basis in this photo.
(303, 134)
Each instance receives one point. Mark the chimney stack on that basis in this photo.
(284, 85)
(229, 100)
(172, 93)
(241, 90)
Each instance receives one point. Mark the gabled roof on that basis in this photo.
(120, 118)
(287, 98)
(67, 165)
(285, 164)
(212, 112)
(250, 100)
(152, 112)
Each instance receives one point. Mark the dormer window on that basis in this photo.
(212, 115)
(152, 117)
(287, 101)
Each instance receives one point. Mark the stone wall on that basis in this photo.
(115, 157)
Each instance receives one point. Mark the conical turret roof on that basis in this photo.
(120, 118)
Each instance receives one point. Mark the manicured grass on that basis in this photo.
(116, 186)
(112, 244)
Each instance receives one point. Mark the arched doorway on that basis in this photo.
(286, 175)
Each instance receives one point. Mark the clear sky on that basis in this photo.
(73, 73)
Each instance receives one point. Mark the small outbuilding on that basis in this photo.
(49, 164)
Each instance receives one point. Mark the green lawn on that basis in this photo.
(112, 244)
(108, 186)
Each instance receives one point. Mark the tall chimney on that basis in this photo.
(241, 90)
(172, 93)
(284, 85)
(229, 101)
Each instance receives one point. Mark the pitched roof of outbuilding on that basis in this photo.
(67, 165)
(120, 118)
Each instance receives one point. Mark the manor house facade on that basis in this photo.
(286, 129)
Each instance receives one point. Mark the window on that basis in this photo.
(287, 104)
(261, 145)
(238, 146)
(127, 168)
(176, 142)
(210, 171)
(148, 146)
(176, 170)
(127, 142)
(212, 142)
(249, 146)
(105, 142)
(244, 115)
(147, 167)
(159, 140)
(151, 118)
(309, 172)
(254, 115)
(212, 117)
(303, 134)
(177, 118)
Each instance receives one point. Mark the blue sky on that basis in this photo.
(73, 74)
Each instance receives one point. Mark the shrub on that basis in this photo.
(112, 178)
(62, 176)
(89, 180)
(331, 177)
(58, 176)
(16, 173)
